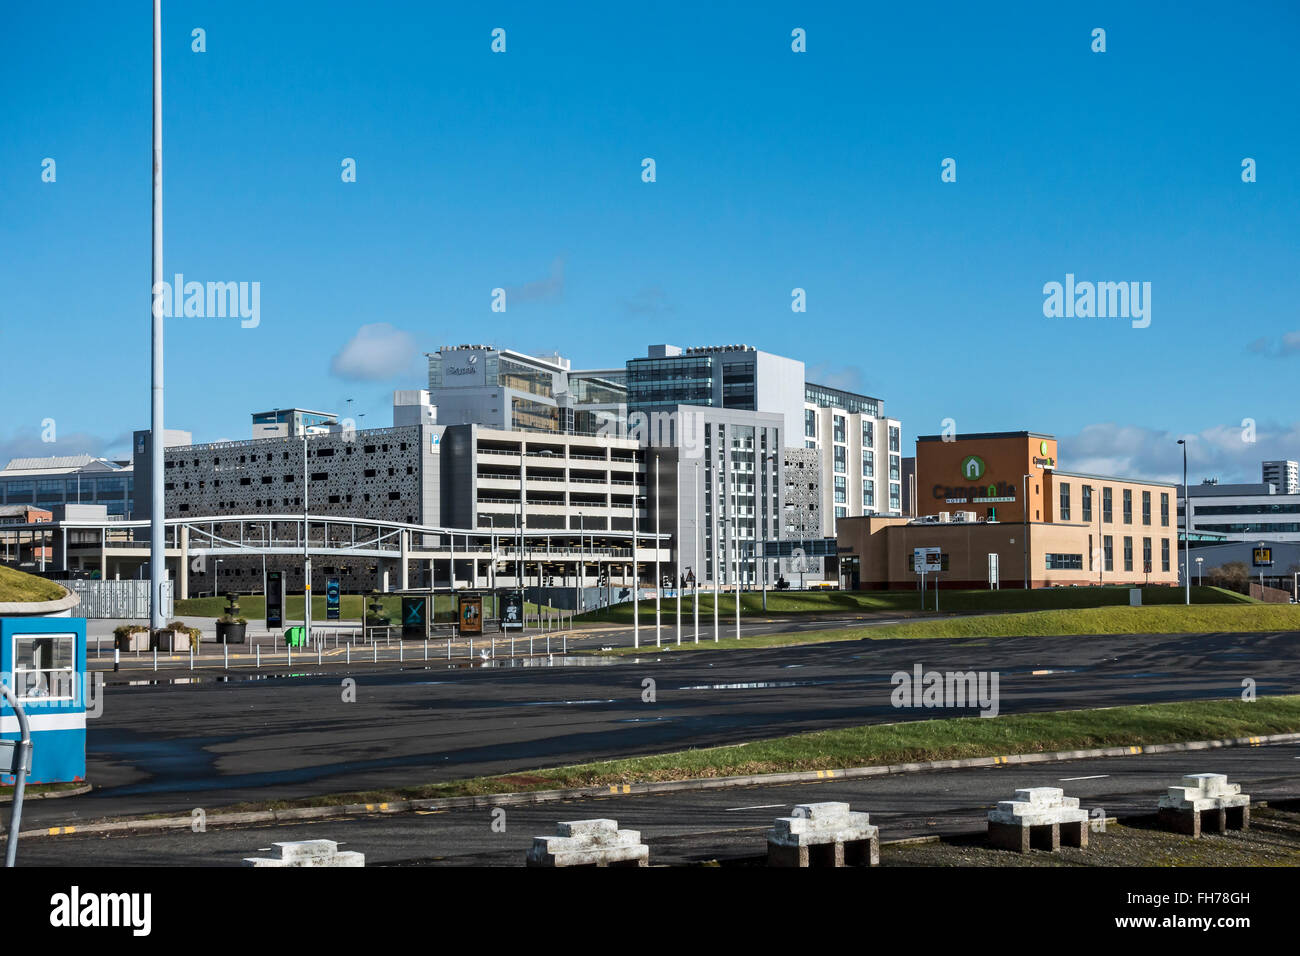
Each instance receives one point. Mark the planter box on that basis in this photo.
(138, 641)
(231, 633)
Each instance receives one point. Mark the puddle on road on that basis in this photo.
(760, 685)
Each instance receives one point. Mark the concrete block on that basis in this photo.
(1038, 818)
(823, 834)
(597, 842)
(309, 853)
(1204, 801)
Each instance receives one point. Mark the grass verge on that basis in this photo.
(974, 601)
(1176, 619)
(877, 744)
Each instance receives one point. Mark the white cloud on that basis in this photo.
(850, 378)
(377, 353)
(1218, 451)
(26, 443)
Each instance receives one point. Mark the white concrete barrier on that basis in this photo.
(589, 843)
(310, 853)
(1038, 818)
(823, 834)
(1204, 800)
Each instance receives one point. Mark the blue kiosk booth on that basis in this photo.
(43, 662)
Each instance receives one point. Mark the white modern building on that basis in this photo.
(292, 422)
(861, 454)
(1284, 476)
(1243, 512)
(502, 388)
(69, 479)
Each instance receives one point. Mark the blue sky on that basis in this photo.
(775, 170)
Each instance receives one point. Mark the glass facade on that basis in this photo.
(825, 397)
(684, 380)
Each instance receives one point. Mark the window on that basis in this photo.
(810, 423)
(1146, 555)
(1108, 549)
(837, 427)
(43, 667)
(841, 490)
(1065, 503)
(894, 467)
(1128, 553)
(1164, 554)
(1065, 562)
(1146, 507)
(841, 459)
(1086, 507)
(1164, 511)
(868, 464)
(868, 495)
(868, 434)
(1107, 506)
(894, 443)
(895, 497)
(1128, 505)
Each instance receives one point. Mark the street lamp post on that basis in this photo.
(699, 551)
(770, 456)
(679, 579)
(1187, 530)
(306, 553)
(157, 443)
(735, 539)
(1026, 534)
(659, 580)
(636, 575)
(1200, 572)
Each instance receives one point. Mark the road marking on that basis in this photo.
(769, 806)
(1095, 776)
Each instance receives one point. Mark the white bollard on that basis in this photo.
(191, 657)
(318, 653)
(349, 655)
(401, 651)
(259, 655)
(449, 648)
(374, 647)
(426, 648)
(225, 650)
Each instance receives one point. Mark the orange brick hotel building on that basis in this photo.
(1000, 493)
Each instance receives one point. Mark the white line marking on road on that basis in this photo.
(765, 806)
(1095, 776)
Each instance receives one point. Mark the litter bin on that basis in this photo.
(295, 636)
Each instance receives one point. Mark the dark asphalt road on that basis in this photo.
(173, 747)
(695, 826)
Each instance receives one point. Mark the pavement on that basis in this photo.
(217, 739)
(334, 637)
(698, 826)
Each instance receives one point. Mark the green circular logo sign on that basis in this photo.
(972, 468)
(1042, 448)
